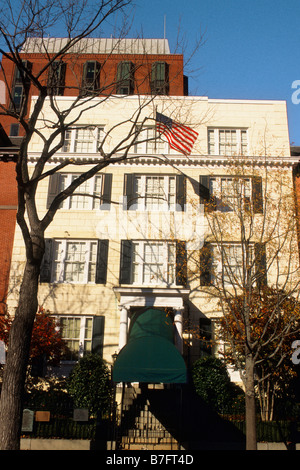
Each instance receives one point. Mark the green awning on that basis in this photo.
(150, 355)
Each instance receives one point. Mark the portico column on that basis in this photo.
(178, 329)
(123, 326)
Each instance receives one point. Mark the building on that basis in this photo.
(101, 66)
(125, 270)
(8, 209)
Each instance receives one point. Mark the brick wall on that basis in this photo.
(8, 205)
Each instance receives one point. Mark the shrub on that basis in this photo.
(89, 384)
(212, 383)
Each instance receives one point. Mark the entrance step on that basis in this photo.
(141, 428)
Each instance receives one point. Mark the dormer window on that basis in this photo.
(125, 78)
(91, 78)
(160, 78)
(56, 78)
(21, 83)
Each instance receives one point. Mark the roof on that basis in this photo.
(98, 46)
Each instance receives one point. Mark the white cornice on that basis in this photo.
(156, 160)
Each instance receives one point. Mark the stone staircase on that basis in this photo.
(141, 428)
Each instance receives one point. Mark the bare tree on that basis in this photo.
(49, 120)
(251, 242)
(19, 22)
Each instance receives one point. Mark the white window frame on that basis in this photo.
(224, 199)
(59, 264)
(231, 271)
(73, 138)
(214, 141)
(149, 142)
(88, 195)
(164, 267)
(83, 339)
(162, 198)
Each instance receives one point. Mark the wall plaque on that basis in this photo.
(81, 414)
(27, 420)
(42, 415)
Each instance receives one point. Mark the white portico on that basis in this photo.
(169, 298)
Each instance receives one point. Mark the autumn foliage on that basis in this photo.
(46, 339)
(274, 320)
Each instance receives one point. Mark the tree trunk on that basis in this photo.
(12, 393)
(251, 441)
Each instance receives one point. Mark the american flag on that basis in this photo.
(180, 137)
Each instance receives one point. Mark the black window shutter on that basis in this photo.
(106, 192)
(84, 73)
(53, 188)
(98, 335)
(260, 265)
(128, 192)
(257, 195)
(160, 78)
(205, 327)
(204, 193)
(206, 264)
(125, 262)
(181, 263)
(62, 75)
(180, 192)
(45, 271)
(102, 257)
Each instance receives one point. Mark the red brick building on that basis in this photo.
(8, 210)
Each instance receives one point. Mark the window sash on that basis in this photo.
(230, 193)
(227, 142)
(77, 333)
(18, 96)
(82, 140)
(74, 261)
(125, 81)
(230, 263)
(150, 142)
(153, 263)
(84, 199)
(154, 192)
(56, 78)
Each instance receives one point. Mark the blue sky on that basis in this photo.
(251, 50)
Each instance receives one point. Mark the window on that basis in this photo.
(56, 78)
(14, 130)
(20, 85)
(229, 264)
(18, 96)
(160, 78)
(91, 78)
(82, 335)
(77, 333)
(86, 196)
(231, 193)
(83, 139)
(149, 141)
(75, 261)
(155, 192)
(125, 78)
(227, 142)
(153, 263)
(95, 193)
